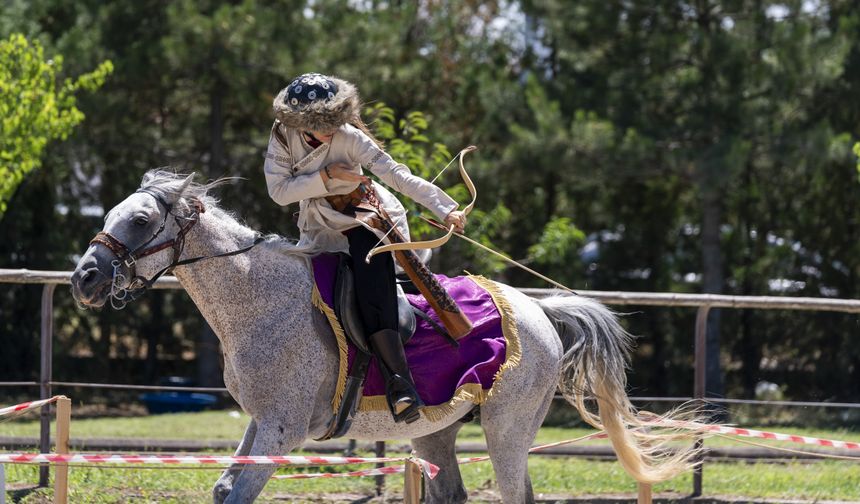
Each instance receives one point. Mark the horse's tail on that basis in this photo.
(596, 356)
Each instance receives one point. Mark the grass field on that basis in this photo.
(825, 480)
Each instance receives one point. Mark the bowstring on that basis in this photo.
(394, 225)
(446, 167)
(378, 243)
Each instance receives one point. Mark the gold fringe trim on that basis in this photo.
(471, 392)
(373, 403)
(513, 349)
(340, 336)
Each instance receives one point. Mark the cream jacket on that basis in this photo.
(292, 174)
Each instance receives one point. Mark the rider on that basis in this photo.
(317, 150)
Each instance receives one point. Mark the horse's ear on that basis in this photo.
(174, 196)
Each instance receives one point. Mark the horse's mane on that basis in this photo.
(182, 188)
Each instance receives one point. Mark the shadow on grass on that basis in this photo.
(33, 494)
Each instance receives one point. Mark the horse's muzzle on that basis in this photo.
(90, 286)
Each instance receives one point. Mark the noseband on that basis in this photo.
(119, 295)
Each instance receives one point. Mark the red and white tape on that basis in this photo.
(751, 433)
(20, 408)
(54, 458)
(776, 436)
(380, 471)
(596, 435)
(718, 429)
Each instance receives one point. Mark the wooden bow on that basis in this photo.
(438, 242)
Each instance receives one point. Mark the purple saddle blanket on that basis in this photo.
(444, 376)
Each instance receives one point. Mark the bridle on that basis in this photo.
(125, 256)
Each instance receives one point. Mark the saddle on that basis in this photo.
(346, 310)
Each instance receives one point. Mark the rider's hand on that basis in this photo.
(456, 218)
(343, 171)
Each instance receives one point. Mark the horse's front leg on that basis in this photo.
(438, 449)
(224, 485)
(274, 436)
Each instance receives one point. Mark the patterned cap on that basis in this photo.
(316, 102)
(308, 88)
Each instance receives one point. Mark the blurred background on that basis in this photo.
(650, 146)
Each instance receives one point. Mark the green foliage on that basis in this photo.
(406, 141)
(558, 244)
(486, 227)
(35, 108)
(857, 153)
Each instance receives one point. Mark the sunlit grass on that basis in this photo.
(825, 480)
(204, 425)
(550, 475)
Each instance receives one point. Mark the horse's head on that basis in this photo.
(142, 238)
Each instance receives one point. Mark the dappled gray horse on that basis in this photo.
(281, 358)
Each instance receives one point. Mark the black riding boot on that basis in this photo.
(403, 399)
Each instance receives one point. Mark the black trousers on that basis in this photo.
(375, 285)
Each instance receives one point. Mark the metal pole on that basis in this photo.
(380, 480)
(47, 351)
(350, 448)
(700, 365)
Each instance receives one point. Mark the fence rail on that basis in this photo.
(702, 302)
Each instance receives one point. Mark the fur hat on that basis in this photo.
(315, 102)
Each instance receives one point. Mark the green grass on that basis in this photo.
(819, 481)
(224, 425)
(826, 480)
(204, 425)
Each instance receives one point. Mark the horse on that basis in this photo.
(281, 358)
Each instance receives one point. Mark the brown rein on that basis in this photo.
(128, 258)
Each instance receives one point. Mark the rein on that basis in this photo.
(119, 295)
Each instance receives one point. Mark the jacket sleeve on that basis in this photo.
(399, 177)
(285, 186)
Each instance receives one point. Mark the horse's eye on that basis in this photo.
(141, 221)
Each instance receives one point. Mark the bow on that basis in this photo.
(438, 242)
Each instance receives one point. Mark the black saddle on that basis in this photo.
(346, 310)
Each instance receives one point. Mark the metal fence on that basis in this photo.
(702, 302)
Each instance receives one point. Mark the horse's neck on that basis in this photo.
(232, 292)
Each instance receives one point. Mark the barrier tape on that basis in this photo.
(380, 471)
(20, 408)
(596, 435)
(430, 469)
(54, 458)
(717, 429)
(775, 436)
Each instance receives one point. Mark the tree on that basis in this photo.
(618, 123)
(857, 152)
(733, 101)
(35, 108)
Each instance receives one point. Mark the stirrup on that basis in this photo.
(403, 400)
(409, 415)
